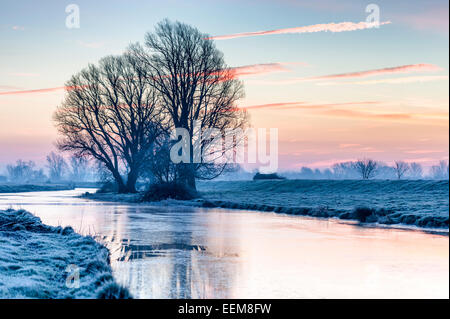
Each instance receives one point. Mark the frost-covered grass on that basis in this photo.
(421, 203)
(20, 188)
(34, 259)
(114, 197)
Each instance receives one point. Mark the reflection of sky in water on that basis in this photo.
(183, 252)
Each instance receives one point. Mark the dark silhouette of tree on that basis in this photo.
(111, 114)
(401, 168)
(159, 168)
(56, 165)
(195, 85)
(366, 168)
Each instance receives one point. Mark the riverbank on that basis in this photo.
(41, 261)
(114, 197)
(422, 203)
(21, 188)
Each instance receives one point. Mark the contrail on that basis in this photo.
(68, 88)
(331, 27)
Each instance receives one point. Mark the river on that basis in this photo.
(189, 252)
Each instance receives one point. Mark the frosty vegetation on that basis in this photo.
(422, 203)
(57, 170)
(39, 261)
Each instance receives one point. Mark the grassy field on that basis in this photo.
(20, 188)
(424, 203)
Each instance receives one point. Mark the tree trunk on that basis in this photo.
(187, 175)
(131, 181)
(122, 188)
(191, 181)
(190, 176)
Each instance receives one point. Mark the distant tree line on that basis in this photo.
(360, 169)
(57, 170)
(76, 169)
(370, 169)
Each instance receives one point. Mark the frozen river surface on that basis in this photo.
(189, 252)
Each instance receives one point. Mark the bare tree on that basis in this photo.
(366, 168)
(79, 168)
(196, 87)
(56, 166)
(20, 172)
(440, 171)
(345, 170)
(111, 114)
(415, 171)
(159, 168)
(401, 168)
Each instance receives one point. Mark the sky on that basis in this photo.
(336, 87)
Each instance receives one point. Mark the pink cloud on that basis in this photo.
(402, 80)
(402, 69)
(423, 152)
(272, 105)
(256, 69)
(302, 105)
(421, 67)
(325, 27)
(68, 88)
(32, 91)
(246, 70)
(349, 145)
(359, 114)
(24, 74)
(345, 110)
(8, 87)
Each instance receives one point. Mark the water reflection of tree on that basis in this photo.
(176, 254)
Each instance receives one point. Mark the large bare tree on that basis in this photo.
(196, 86)
(111, 114)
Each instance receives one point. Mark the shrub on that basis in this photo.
(113, 291)
(108, 187)
(157, 192)
(362, 213)
(260, 176)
